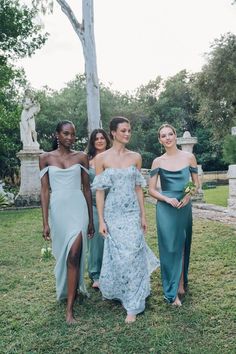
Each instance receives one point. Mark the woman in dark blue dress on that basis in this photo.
(173, 213)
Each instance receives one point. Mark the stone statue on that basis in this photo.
(28, 133)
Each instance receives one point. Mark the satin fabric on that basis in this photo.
(174, 229)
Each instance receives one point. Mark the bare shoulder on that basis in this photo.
(103, 156)
(135, 155)
(44, 159)
(189, 157)
(156, 162)
(80, 154)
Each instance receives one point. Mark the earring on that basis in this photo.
(161, 149)
(58, 144)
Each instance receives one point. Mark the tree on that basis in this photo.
(20, 36)
(85, 32)
(229, 149)
(215, 87)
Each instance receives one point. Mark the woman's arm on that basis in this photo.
(87, 194)
(186, 199)
(44, 196)
(100, 198)
(195, 179)
(140, 197)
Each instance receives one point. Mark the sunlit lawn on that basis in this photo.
(32, 321)
(218, 195)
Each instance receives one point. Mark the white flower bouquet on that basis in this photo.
(46, 252)
(189, 189)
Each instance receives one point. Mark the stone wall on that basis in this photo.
(216, 176)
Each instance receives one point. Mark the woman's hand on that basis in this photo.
(144, 224)
(103, 229)
(90, 230)
(172, 201)
(186, 199)
(46, 233)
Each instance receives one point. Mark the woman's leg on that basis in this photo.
(181, 290)
(73, 262)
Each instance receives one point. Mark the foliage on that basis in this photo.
(20, 33)
(20, 36)
(229, 149)
(208, 150)
(66, 104)
(216, 86)
(3, 201)
(32, 321)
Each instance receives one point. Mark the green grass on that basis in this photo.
(217, 196)
(32, 321)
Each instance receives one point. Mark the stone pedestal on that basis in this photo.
(232, 190)
(187, 143)
(29, 194)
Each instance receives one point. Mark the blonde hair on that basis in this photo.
(166, 125)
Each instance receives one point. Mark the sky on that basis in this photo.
(136, 41)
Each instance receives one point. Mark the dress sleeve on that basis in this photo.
(193, 169)
(101, 181)
(139, 179)
(43, 171)
(154, 172)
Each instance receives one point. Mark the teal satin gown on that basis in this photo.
(96, 244)
(174, 229)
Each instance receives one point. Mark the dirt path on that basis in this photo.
(213, 212)
(209, 211)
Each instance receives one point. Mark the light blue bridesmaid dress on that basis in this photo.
(174, 229)
(68, 216)
(127, 260)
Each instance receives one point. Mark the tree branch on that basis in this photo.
(78, 27)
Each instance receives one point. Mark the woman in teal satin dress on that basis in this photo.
(98, 142)
(173, 212)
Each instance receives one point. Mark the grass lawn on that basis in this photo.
(32, 321)
(218, 195)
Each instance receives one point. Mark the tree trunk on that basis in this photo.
(85, 32)
(89, 49)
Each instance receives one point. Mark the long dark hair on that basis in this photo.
(91, 144)
(59, 127)
(114, 124)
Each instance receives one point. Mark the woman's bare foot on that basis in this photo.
(70, 318)
(130, 318)
(95, 284)
(177, 302)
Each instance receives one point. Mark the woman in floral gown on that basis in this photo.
(127, 260)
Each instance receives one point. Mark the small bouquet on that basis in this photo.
(189, 189)
(46, 252)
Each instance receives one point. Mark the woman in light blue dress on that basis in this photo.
(127, 260)
(173, 213)
(67, 212)
(98, 142)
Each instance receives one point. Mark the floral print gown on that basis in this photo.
(127, 260)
